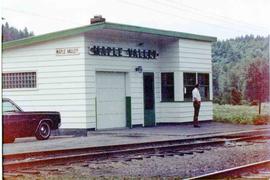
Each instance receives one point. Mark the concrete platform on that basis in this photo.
(127, 136)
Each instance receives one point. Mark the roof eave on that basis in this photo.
(159, 32)
(50, 36)
(103, 25)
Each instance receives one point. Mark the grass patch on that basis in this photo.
(243, 114)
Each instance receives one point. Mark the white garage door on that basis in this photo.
(111, 109)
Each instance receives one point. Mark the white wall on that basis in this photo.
(193, 56)
(119, 64)
(182, 112)
(60, 79)
(68, 83)
(171, 59)
(169, 56)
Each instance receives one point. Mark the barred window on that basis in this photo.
(19, 80)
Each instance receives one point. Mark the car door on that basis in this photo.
(24, 123)
(10, 119)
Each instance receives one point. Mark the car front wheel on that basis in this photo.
(44, 131)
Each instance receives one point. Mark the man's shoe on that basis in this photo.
(196, 126)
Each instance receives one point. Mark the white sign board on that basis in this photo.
(67, 51)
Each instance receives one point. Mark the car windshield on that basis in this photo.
(9, 107)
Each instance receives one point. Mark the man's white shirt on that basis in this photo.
(196, 95)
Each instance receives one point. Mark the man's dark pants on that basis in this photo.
(196, 106)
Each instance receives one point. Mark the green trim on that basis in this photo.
(139, 29)
(103, 25)
(128, 111)
(96, 110)
(51, 36)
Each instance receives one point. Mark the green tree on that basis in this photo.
(230, 62)
(258, 81)
(10, 33)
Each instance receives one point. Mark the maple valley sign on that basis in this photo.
(120, 52)
(67, 51)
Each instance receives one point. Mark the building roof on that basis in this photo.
(103, 25)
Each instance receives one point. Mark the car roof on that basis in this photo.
(6, 99)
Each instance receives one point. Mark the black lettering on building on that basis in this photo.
(118, 52)
(144, 54)
(114, 52)
(108, 50)
(149, 54)
(140, 53)
(134, 53)
(103, 51)
(129, 52)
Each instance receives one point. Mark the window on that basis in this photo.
(203, 80)
(8, 107)
(189, 82)
(19, 80)
(167, 87)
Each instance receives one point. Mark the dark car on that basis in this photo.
(18, 123)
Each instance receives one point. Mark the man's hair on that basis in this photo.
(196, 85)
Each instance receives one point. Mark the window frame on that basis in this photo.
(203, 86)
(196, 81)
(189, 85)
(166, 99)
(15, 108)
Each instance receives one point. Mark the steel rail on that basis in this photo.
(18, 156)
(227, 173)
(26, 155)
(106, 152)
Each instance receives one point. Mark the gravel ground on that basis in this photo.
(212, 159)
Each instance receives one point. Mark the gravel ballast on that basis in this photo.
(206, 160)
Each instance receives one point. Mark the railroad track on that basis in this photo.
(160, 148)
(258, 170)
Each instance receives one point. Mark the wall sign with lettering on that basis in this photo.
(120, 52)
(67, 51)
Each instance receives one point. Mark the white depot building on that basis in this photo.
(107, 75)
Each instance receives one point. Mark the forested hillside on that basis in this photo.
(10, 33)
(231, 60)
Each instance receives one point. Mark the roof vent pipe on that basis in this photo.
(97, 19)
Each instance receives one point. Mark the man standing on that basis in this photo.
(196, 98)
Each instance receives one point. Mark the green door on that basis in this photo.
(149, 99)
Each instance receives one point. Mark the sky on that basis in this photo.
(223, 19)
